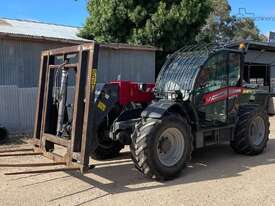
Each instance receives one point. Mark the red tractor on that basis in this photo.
(117, 108)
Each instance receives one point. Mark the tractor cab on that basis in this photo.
(209, 77)
(212, 78)
(216, 88)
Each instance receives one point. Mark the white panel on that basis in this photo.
(26, 107)
(9, 111)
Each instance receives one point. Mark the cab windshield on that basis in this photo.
(180, 70)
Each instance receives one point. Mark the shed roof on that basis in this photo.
(38, 30)
(254, 45)
(29, 29)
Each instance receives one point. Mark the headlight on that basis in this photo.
(172, 96)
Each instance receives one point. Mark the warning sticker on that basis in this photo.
(93, 79)
(101, 106)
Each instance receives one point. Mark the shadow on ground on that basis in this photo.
(120, 176)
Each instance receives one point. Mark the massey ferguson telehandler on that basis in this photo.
(200, 99)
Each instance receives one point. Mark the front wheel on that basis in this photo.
(161, 148)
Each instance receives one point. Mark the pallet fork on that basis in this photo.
(83, 60)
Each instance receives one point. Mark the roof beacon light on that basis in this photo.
(242, 46)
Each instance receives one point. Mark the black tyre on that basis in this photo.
(105, 148)
(107, 151)
(161, 148)
(3, 135)
(252, 131)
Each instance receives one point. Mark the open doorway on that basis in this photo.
(258, 74)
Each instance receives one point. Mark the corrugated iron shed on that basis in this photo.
(39, 30)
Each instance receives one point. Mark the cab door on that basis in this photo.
(216, 89)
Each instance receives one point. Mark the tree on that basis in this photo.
(221, 26)
(245, 29)
(167, 24)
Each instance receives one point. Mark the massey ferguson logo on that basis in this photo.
(222, 94)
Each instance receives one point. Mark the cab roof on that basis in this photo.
(254, 45)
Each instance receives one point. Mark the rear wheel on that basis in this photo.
(161, 148)
(252, 131)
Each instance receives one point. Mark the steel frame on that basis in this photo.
(78, 147)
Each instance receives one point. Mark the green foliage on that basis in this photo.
(221, 26)
(168, 24)
(245, 29)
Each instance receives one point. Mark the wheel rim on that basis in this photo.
(170, 147)
(257, 130)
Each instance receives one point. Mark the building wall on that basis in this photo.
(20, 61)
(19, 70)
(126, 65)
(17, 108)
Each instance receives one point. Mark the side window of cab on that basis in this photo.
(213, 75)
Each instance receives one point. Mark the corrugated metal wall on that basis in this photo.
(19, 70)
(126, 65)
(20, 60)
(17, 107)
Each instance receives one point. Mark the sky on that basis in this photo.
(257, 9)
(74, 12)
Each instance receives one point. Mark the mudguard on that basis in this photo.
(159, 108)
(106, 101)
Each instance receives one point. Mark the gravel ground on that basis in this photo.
(216, 176)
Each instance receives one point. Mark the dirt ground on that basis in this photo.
(216, 176)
